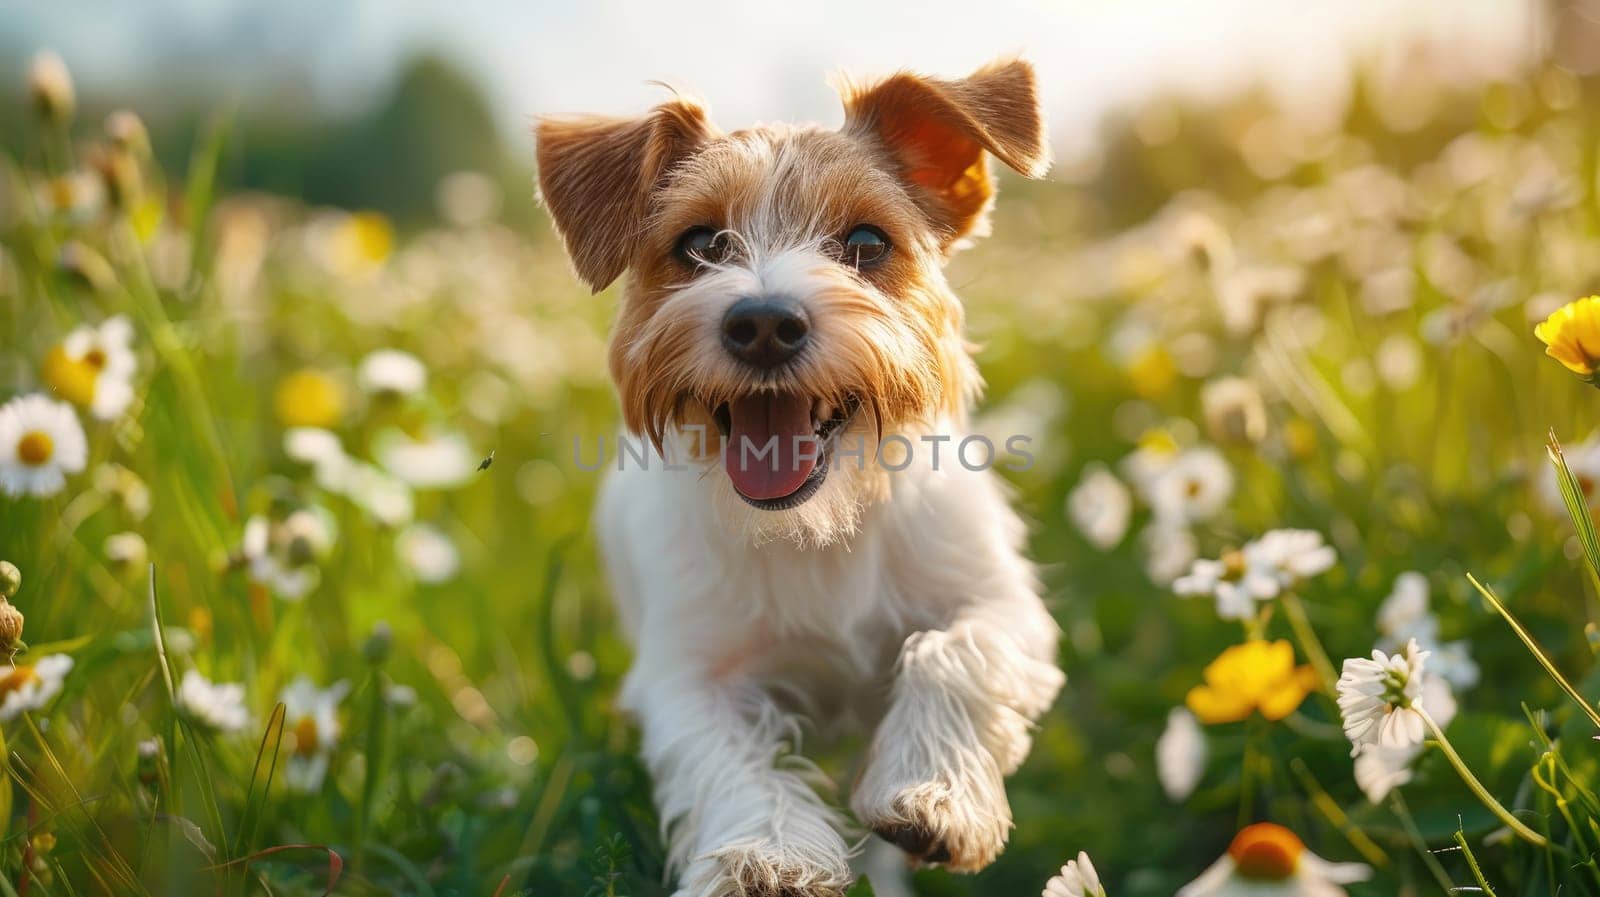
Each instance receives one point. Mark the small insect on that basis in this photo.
(484, 465)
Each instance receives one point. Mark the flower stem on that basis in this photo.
(1516, 825)
(1301, 624)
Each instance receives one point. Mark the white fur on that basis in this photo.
(920, 618)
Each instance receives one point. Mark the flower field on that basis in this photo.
(301, 592)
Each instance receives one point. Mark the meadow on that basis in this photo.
(302, 594)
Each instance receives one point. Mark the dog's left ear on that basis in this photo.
(939, 132)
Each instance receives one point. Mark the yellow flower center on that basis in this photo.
(73, 378)
(15, 679)
(1255, 677)
(35, 448)
(1266, 851)
(309, 398)
(305, 737)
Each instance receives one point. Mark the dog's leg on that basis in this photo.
(960, 718)
(740, 811)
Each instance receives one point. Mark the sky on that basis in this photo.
(756, 61)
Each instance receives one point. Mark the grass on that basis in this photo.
(1377, 291)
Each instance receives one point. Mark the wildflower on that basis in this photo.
(1234, 411)
(1260, 571)
(309, 398)
(41, 442)
(119, 483)
(1256, 676)
(11, 621)
(1180, 754)
(1381, 699)
(392, 372)
(322, 451)
(127, 133)
(434, 461)
(77, 196)
(428, 553)
(388, 500)
(311, 716)
(10, 580)
(1194, 487)
(1268, 860)
(119, 174)
(94, 367)
(50, 88)
(1169, 550)
(1378, 769)
(1100, 506)
(125, 550)
(1572, 336)
(354, 245)
(282, 554)
(28, 687)
(1076, 879)
(218, 707)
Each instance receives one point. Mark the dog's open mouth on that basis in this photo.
(776, 445)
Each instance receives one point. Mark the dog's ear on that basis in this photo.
(939, 132)
(596, 175)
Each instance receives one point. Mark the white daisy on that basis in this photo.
(218, 707)
(392, 372)
(1100, 505)
(1076, 879)
(1260, 571)
(436, 461)
(94, 367)
(386, 498)
(41, 442)
(311, 716)
(282, 554)
(1194, 487)
(1381, 699)
(1169, 549)
(1379, 770)
(322, 451)
(28, 687)
(1180, 754)
(428, 553)
(1268, 860)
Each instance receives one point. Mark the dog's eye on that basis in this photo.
(865, 246)
(701, 246)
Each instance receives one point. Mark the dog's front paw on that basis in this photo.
(957, 823)
(766, 869)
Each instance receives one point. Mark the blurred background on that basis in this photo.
(1285, 274)
(369, 103)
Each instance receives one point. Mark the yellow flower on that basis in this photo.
(309, 398)
(360, 244)
(1572, 336)
(1257, 676)
(1153, 372)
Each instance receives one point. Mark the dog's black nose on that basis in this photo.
(764, 332)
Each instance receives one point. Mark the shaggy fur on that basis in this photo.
(892, 600)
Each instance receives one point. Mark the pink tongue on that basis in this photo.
(757, 471)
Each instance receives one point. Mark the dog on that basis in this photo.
(785, 290)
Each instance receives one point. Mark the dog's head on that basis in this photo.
(785, 283)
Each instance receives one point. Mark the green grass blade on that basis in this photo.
(1577, 509)
(1533, 647)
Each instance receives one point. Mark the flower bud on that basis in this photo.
(50, 88)
(376, 648)
(10, 579)
(127, 133)
(10, 628)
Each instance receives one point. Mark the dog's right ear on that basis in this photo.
(596, 175)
